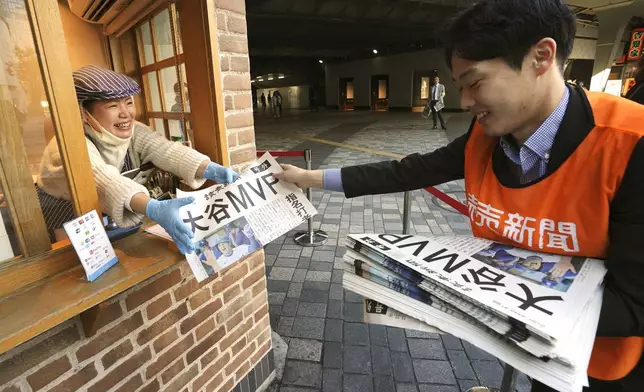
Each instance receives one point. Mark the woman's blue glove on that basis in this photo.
(166, 214)
(219, 174)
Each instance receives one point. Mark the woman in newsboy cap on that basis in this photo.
(116, 143)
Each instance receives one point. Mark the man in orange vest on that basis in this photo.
(547, 166)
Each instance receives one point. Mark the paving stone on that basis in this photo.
(277, 285)
(275, 309)
(332, 355)
(434, 372)
(327, 256)
(336, 291)
(311, 309)
(285, 326)
(305, 374)
(451, 342)
(437, 388)
(336, 276)
(490, 373)
(294, 290)
(305, 349)
(308, 327)
(466, 385)
(317, 296)
(334, 309)
(299, 275)
(272, 249)
(331, 380)
(312, 285)
(354, 312)
(474, 352)
(402, 366)
(286, 262)
(461, 365)
(357, 359)
(333, 330)
(318, 276)
(269, 260)
(303, 262)
(289, 253)
(350, 296)
(378, 335)
(289, 307)
(321, 266)
(426, 349)
(281, 273)
(291, 389)
(412, 333)
(356, 334)
(357, 383)
(406, 388)
(523, 384)
(274, 320)
(383, 384)
(396, 338)
(381, 361)
(276, 298)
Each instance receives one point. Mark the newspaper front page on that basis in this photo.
(545, 292)
(377, 313)
(231, 221)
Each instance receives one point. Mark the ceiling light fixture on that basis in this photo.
(375, 51)
(321, 62)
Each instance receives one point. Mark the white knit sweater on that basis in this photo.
(115, 190)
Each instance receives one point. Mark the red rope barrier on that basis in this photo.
(282, 153)
(450, 201)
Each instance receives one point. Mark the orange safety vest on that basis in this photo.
(566, 212)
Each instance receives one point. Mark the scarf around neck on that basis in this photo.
(112, 148)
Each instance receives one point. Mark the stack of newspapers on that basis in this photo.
(536, 312)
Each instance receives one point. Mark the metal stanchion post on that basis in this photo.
(310, 237)
(509, 378)
(406, 212)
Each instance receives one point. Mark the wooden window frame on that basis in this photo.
(42, 291)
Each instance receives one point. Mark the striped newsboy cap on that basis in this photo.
(95, 83)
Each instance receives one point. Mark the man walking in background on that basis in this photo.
(436, 103)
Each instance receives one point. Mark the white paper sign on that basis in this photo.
(91, 243)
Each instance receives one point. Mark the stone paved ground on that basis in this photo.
(330, 348)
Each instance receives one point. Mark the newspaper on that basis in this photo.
(231, 221)
(546, 293)
(377, 313)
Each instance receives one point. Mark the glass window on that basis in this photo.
(157, 124)
(152, 91)
(349, 90)
(424, 87)
(171, 92)
(382, 89)
(175, 130)
(22, 89)
(163, 35)
(186, 102)
(178, 27)
(9, 247)
(146, 41)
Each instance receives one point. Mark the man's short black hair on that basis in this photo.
(507, 29)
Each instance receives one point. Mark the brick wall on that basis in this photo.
(167, 334)
(235, 73)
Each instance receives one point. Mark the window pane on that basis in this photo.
(21, 86)
(9, 247)
(157, 124)
(163, 35)
(178, 27)
(175, 130)
(186, 103)
(146, 40)
(152, 91)
(170, 88)
(424, 88)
